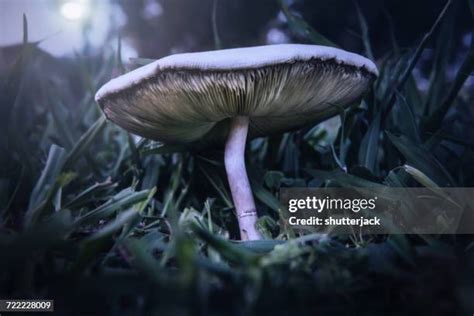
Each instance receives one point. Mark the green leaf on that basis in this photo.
(422, 159)
(369, 145)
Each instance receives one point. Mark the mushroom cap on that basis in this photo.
(190, 98)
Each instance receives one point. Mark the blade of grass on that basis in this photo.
(141, 61)
(45, 183)
(443, 51)
(83, 143)
(215, 31)
(142, 260)
(218, 186)
(422, 159)
(164, 149)
(123, 218)
(434, 121)
(365, 32)
(134, 151)
(93, 245)
(393, 39)
(262, 194)
(25, 29)
(12, 86)
(84, 196)
(45, 235)
(301, 27)
(344, 179)
(408, 122)
(370, 144)
(227, 250)
(414, 60)
(121, 200)
(21, 178)
(120, 66)
(60, 123)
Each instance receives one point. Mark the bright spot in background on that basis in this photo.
(59, 24)
(276, 36)
(74, 10)
(152, 9)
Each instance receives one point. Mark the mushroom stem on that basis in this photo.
(238, 180)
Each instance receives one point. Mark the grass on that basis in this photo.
(106, 225)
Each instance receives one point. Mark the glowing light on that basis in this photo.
(74, 10)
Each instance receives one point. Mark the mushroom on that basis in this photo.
(225, 96)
